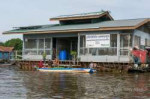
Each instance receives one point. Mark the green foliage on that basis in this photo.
(16, 43)
(1, 44)
(44, 55)
(73, 53)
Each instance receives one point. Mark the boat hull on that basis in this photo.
(84, 70)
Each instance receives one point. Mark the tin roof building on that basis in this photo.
(94, 36)
(5, 52)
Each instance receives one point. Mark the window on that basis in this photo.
(48, 46)
(48, 52)
(83, 51)
(41, 43)
(47, 49)
(147, 42)
(137, 41)
(113, 40)
(125, 40)
(47, 43)
(82, 41)
(37, 46)
(107, 51)
(30, 43)
(30, 52)
(125, 44)
(40, 52)
(93, 51)
(112, 50)
(102, 51)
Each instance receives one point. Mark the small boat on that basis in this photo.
(82, 70)
(142, 68)
(136, 71)
(139, 70)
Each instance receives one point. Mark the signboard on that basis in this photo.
(100, 40)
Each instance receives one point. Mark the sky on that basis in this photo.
(16, 13)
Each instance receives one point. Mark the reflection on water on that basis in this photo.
(16, 84)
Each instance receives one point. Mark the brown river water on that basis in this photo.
(16, 84)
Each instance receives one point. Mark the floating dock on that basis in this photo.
(101, 67)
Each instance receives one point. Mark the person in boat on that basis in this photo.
(54, 53)
(50, 63)
(40, 64)
(135, 55)
(55, 62)
(91, 65)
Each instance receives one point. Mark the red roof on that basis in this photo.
(6, 49)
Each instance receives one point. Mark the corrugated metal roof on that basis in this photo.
(80, 15)
(6, 49)
(104, 24)
(116, 23)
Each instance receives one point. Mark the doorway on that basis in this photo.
(67, 44)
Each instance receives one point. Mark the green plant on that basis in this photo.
(44, 55)
(73, 53)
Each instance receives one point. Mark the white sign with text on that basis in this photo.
(99, 40)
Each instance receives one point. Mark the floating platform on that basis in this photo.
(117, 67)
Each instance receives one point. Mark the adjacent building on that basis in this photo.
(5, 52)
(94, 36)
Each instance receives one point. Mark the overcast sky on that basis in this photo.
(15, 13)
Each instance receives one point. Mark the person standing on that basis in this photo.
(95, 65)
(91, 65)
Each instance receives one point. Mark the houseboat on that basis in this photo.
(95, 36)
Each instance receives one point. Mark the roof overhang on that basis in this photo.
(6, 49)
(84, 30)
(74, 30)
(82, 17)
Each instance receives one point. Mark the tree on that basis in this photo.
(16, 43)
(1, 44)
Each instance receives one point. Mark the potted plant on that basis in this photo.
(74, 55)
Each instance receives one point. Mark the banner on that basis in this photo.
(99, 40)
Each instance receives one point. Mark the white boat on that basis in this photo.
(84, 70)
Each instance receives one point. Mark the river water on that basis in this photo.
(16, 84)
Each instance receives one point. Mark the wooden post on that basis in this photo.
(2, 55)
(78, 48)
(16, 55)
